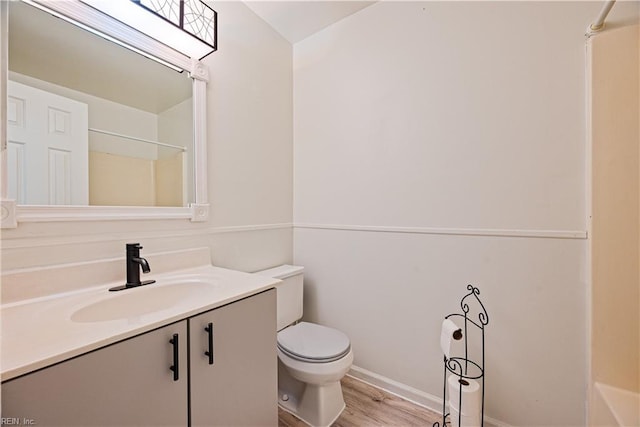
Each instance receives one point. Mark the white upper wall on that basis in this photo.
(450, 115)
(444, 114)
(250, 121)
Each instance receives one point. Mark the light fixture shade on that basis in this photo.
(188, 26)
(192, 16)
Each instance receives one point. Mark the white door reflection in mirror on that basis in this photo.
(47, 147)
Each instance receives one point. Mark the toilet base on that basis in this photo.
(312, 391)
(318, 406)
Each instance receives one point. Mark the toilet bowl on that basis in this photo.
(312, 359)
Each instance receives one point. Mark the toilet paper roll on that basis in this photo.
(471, 395)
(457, 420)
(450, 332)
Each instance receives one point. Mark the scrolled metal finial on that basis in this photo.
(454, 366)
(445, 423)
(482, 315)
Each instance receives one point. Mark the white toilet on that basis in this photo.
(312, 359)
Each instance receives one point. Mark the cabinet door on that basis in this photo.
(240, 387)
(124, 384)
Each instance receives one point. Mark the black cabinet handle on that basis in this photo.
(175, 368)
(209, 330)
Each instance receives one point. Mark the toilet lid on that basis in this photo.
(313, 343)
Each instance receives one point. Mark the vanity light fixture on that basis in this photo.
(187, 26)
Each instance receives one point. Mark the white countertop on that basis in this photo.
(41, 331)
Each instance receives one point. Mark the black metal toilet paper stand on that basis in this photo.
(469, 365)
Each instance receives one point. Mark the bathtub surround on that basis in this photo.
(614, 229)
(614, 82)
(431, 152)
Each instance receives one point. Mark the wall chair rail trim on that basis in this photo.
(501, 232)
(19, 242)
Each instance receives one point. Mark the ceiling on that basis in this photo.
(296, 20)
(50, 49)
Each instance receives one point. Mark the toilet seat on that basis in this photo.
(308, 342)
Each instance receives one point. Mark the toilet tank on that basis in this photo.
(289, 293)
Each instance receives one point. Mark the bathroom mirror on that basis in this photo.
(121, 136)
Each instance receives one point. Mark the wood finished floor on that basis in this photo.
(368, 406)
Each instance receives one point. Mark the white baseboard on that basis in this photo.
(404, 391)
(409, 393)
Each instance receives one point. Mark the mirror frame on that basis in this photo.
(197, 211)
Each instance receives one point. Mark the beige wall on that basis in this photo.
(121, 181)
(175, 126)
(168, 184)
(615, 239)
(129, 181)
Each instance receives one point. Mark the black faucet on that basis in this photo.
(134, 263)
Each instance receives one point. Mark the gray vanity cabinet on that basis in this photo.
(125, 384)
(130, 383)
(236, 383)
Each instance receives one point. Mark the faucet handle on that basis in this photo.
(133, 246)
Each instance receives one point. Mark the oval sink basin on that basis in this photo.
(137, 302)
